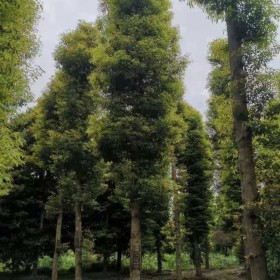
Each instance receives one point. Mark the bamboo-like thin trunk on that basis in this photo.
(159, 255)
(254, 250)
(57, 248)
(41, 226)
(207, 253)
(177, 220)
(78, 241)
(197, 260)
(135, 243)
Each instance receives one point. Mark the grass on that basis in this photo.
(217, 261)
(220, 268)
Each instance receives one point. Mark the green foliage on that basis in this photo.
(268, 164)
(255, 18)
(196, 158)
(22, 240)
(218, 261)
(220, 124)
(11, 156)
(63, 144)
(18, 46)
(66, 261)
(266, 145)
(139, 71)
(138, 76)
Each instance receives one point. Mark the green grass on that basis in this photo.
(67, 262)
(217, 261)
(2, 267)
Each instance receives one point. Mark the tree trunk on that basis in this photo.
(78, 241)
(254, 250)
(57, 249)
(159, 255)
(105, 262)
(41, 226)
(135, 243)
(177, 221)
(119, 259)
(207, 253)
(197, 260)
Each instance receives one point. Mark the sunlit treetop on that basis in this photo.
(127, 8)
(73, 53)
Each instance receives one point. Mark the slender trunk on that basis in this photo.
(36, 262)
(177, 221)
(78, 241)
(135, 243)
(105, 254)
(159, 255)
(119, 259)
(207, 253)
(105, 262)
(57, 244)
(254, 250)
(197, 260)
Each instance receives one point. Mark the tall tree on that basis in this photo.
(67, 108)
(221, 130)
(18, 47)
(196, 159)
(139, 74)
(267, 153)
(250, 26)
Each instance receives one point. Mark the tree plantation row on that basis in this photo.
(112, 163)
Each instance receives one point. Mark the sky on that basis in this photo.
(196, 30)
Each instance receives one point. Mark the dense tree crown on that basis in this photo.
(140, 94)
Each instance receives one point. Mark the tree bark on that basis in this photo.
(207, 253)
(135, 243)
(254, 250)
(197, 260)
(159, 255)
(57, 249)
(78, 240)
(177, 221)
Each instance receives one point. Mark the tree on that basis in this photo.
(196, 159)
(250, 26)
(267, 154)
(220, 126)
(139, 70)
(18, 47)
(111, 227)
(66, 112)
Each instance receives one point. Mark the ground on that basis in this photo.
(226, 274)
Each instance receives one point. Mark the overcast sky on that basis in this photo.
(196, 31)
